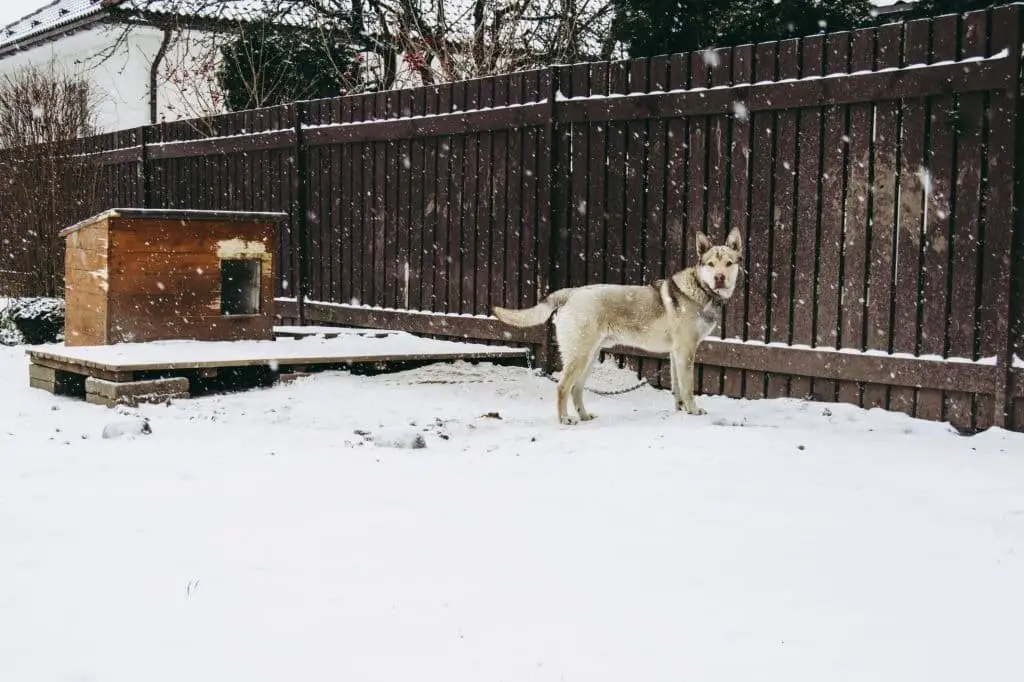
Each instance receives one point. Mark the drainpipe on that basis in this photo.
(154, 70)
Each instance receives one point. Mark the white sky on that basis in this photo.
(12, 10)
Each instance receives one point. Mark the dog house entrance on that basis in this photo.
(240, 287)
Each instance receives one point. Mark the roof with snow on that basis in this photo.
(68, 15)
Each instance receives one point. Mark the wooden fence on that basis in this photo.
(873, 173)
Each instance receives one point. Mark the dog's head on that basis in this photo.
(719, 266)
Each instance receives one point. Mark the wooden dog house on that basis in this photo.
(136, 275)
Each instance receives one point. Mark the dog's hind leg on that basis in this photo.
(581, 383)
(575, 365)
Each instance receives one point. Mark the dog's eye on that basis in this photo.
(728, 264)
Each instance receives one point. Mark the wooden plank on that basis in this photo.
(805, 238)
(607, 242)
(349, 164)
(762, 149)
(738, 215)
(655, 187)
(470, 221)
(833, 187)
(910, 225)
(428, 260)
(516, 267)
(997, 294)
(967, 231)
(881, 231)
(314, 228)
(854, 260)
(857, 88)
(403, 210)
(54, 361)
(579, 187)
(485, 147)
(675, 191)
(598, 156)
(446, 246)
(550, 151)
(536, 234)
(383, 271)
(842, 366)
(394, 288)
(499, 257)
(169, 240)
(416, 322)
(461, 123)
(935, 247)
(313, 359)
(698, 177)
(780, 299)
(457, 290)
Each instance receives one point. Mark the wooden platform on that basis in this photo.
(129, 373)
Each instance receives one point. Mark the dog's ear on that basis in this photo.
(734, 241)
(703, 244)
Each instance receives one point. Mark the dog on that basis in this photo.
(670, 315)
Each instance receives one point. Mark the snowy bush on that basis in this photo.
(32, 321)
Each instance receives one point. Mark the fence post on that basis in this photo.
(145, 172)
(301, 209)
(546, 228)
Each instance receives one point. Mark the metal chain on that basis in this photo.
(641, 384)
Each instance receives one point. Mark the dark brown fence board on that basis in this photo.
(966, 232)
(384, 272)
(458, 273)
(835, 157)
(518, 269)
(470, 223)
(428, 178)
(997, 309)
(738, 214)
(762, 152)
(936, 245)
(906, 298)
(418, 263)
(805, 238)
(499, 256)
(654, 206)
(578, 186)
(865, 87)
(783, 221)
(485, 149)
(536, 236)
(858, 140)
(881, 232)
(445, 247)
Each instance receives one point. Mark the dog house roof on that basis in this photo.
(177, 214)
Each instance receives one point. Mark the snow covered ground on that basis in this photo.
(256, 536)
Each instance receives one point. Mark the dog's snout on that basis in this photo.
(719, 279)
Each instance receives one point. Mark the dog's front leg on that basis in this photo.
(682, 363)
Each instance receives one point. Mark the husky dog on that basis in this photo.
(668, 316)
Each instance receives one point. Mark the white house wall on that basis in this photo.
(121, 83)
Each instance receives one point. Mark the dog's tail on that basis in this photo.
(538, 314)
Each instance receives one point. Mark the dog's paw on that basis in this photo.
(567, 421)
(690, 409)
(587, 417)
